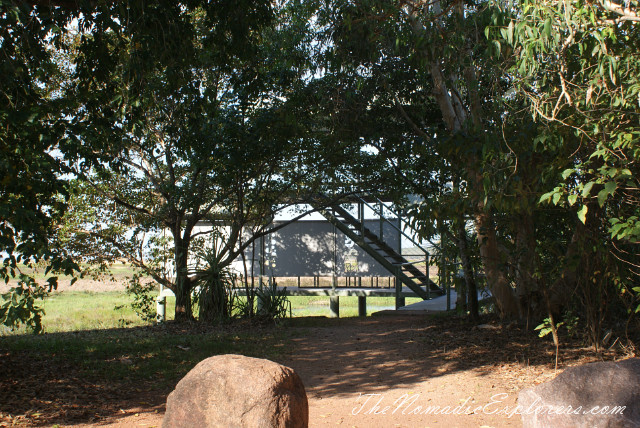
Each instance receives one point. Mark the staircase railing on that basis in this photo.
(399, 266)
(380, 213)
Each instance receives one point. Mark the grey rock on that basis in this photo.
(238, 391)
(611, 390)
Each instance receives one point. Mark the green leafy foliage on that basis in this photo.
(209, 129)
(19, 305)
(273, 304)
(545, 328)
(32, 129)
(144, 295)
(215, 292)
(588, 92)
(578, 67)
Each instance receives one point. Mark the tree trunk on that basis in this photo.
(454, 115)
(561, 291)
(183, 283)
(461, 294)
(496, 279)
(470, 281)
(526, 287)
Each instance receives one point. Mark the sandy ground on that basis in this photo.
(381, 371)
(374, 373)
(386, 371)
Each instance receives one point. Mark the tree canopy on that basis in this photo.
(515, 125)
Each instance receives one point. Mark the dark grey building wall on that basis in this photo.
(307, 248)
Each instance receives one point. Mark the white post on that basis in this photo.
(161, 305)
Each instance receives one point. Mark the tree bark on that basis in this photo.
(183, 284)
(496, 279)
(470, 281)
(561, 291)
(455, 115)
(526, 286)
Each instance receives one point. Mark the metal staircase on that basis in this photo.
(372, 244)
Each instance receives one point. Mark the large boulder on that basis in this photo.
(597, 395)
(238, 391)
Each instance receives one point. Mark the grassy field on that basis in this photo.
(85, 310)
(161, 353)
(117, 271)
(100, 336)
(75, 311)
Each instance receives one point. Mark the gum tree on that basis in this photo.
(32, 129)
(578, 65)
(206, 127)
(429, 67)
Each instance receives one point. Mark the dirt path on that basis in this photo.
(354, 368)
(354, 371)
(386, 372)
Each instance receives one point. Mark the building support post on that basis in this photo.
(381, 207)
(399, 297)
(334, 306)
(426, 273)
(362, 306)
(334, 281)
(262, 262)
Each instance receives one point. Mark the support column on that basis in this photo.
(426, 273)
(334, 280)
(448, 281)
(262, 262)
(253, 263)
(362, 306)
(381, 207)
(399, 297)
(399, 233)
(401, 302)
(334, 307)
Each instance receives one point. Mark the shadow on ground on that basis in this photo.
(99, 377)
(371, 355)
(36, 390)
(96, 377)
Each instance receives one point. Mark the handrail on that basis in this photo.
(381, 214)
(408, 263)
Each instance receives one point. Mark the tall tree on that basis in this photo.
(578, 64)
(206, 125)
(448, 116)
(429, 66)
(32, 128)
